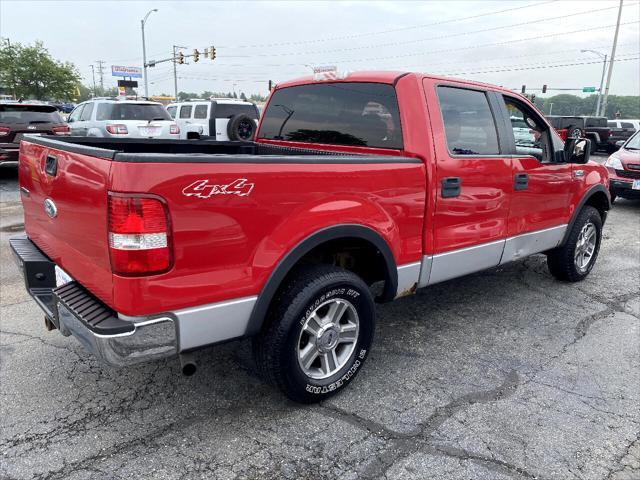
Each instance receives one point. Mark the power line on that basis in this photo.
(535, 67)
(393, 30)
(420, 40)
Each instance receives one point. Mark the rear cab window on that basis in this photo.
(352, 114)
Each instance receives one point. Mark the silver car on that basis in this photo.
(100, 117)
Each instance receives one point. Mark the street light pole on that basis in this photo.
(144, 52)
(613, 56)
(604, 68)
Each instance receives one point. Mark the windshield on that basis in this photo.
(132, 111)
(29, 114)
(355, 114)
(634, 142)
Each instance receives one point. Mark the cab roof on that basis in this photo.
(380, 76)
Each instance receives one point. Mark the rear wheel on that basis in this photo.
(574, 260)
(318, 334)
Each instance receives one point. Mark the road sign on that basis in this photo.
(588, 89)
(133, 72)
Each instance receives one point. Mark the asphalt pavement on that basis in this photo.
(505, 374)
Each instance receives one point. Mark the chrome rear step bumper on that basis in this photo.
(75, 311)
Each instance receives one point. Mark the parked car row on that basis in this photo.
(606, 135)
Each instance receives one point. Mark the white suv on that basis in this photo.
(223, 118)
(101, 117)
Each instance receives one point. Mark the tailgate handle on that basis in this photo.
(51, 165)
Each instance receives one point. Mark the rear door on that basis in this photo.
(542, 187)
(183, 118)
(473, 178)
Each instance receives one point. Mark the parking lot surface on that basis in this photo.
(498, 375)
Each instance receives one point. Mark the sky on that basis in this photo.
(508, 43)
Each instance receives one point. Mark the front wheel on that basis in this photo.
(574, 260)
(318, 334)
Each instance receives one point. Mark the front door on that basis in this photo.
(473, 178)
(542, 182)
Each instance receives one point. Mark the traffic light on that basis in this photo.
(212, 53)
(270, 85)
(544, 89)
(181, 58)
(524, 89)
(196, 55)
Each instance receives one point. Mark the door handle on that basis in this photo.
(451, 187)
(521, 181)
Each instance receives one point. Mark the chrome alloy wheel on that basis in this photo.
(585, 247)
(328, 338)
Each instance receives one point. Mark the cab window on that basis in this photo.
(172, 111)
(468, 122)
(530, 134)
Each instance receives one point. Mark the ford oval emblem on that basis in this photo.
(50, 208)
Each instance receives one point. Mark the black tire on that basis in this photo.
(241, 127)
(277, 347)
(574, 132)
(613, 197)
(561, 261)
(594, 146)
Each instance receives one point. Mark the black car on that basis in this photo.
(18, 119)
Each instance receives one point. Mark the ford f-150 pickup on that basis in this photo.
(356, 189)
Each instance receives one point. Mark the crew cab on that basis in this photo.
(357, 189)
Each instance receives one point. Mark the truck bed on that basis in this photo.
(224, 246)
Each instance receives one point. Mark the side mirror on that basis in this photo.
(70, 120)
(577, 150)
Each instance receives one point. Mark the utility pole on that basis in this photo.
(101, 74)
(93, 74)
(613, 56)
(604, 68)
(175, 71)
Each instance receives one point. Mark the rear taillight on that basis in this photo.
(4, 131)
(117, 129)
(139, 235)
(174, 129)
(62, 130)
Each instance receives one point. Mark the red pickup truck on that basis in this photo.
(356, 189)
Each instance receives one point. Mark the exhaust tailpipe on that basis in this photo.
(188, 364)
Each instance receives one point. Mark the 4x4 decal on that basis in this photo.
(204, 189)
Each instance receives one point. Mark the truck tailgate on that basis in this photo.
(64, 196)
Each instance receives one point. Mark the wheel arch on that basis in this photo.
(598, 197)
(311, 243)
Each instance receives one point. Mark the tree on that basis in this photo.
(31, 72)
